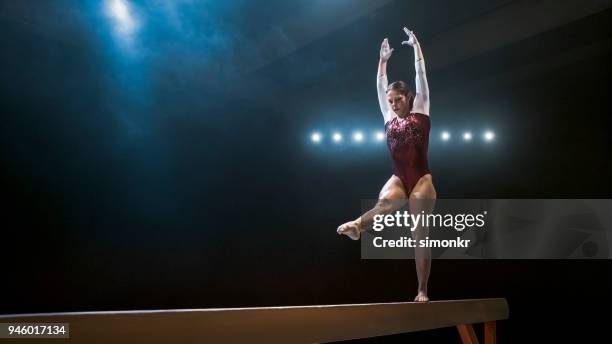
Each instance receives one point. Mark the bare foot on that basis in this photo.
(350, 229)
(421, 297)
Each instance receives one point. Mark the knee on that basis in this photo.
(422, 201)
(389, 205)
(417, 195)
(385, 204)
(420, 195)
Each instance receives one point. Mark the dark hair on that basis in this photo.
(402, 88)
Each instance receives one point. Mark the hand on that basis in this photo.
(412, 40)
(385, 51)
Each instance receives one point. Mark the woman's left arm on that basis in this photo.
(421, 99)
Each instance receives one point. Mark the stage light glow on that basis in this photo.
(119, 11)
(374, 136)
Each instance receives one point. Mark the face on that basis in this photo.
(398, 102)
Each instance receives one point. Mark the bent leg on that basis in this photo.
(391, 193)
(422, 199)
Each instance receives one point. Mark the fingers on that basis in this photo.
(385, 50)
(409, 32)
(411, 37)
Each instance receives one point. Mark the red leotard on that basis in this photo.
(408, 141)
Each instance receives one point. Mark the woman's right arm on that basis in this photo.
(381, 80)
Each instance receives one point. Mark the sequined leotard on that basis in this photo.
(408, 138)
(408, 141)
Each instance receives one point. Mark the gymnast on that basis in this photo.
(407, 128)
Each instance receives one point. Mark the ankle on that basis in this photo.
(359, 224)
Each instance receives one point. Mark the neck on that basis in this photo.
(404, 114)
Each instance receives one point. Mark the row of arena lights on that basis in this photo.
(379, 136)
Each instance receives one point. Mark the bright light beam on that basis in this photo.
(119, 11)
(358, 136)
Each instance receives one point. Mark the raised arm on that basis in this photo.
(382, 81)
(421, 99)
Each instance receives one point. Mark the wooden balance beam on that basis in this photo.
(302, 324)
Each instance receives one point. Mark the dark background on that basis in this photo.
(167, 164)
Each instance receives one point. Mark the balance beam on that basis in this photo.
(301, 324)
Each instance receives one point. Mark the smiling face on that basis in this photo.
(398, 102)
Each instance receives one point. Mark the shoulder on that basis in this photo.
(390, 119)
(389, 116)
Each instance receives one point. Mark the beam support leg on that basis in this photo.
(468, 336)
(490, 332)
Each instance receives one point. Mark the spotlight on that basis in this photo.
(120, 13)
(358, 136)
(380, 136)
(445, 136)
(467, 136)
(337, 137)
(316, 137)
(119, 9)
(489, 136)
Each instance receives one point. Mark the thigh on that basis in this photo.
(423, 195)
(393, 189)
